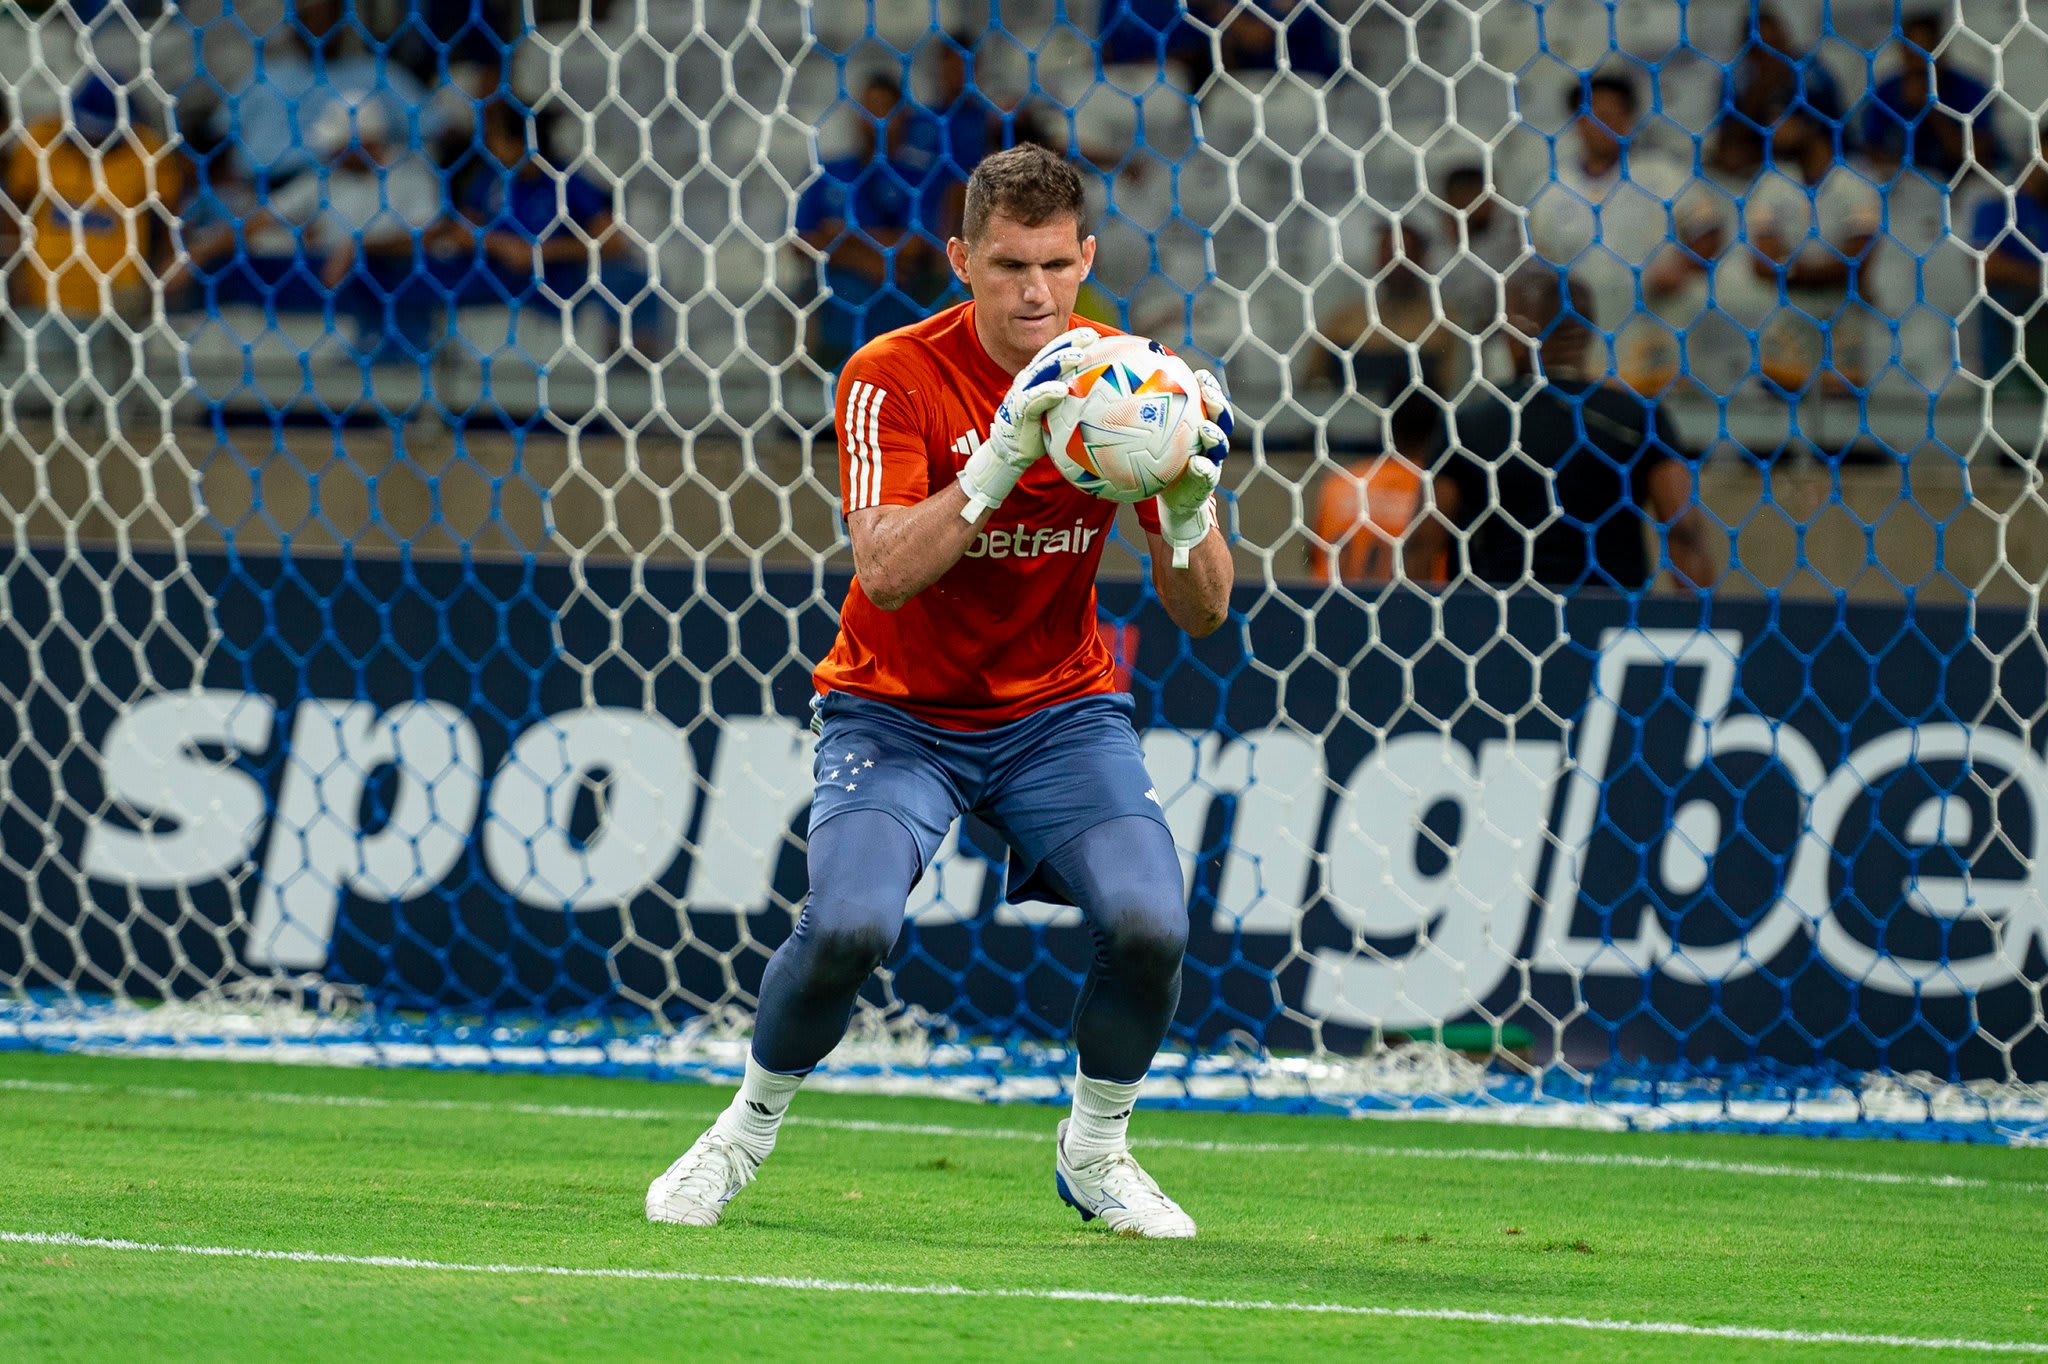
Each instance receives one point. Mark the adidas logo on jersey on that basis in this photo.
(1028, 542)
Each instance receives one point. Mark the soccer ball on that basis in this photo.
(1128, 425)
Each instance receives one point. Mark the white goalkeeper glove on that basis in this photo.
(1187, 506)
(1016, 438)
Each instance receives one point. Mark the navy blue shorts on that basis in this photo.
(1039, 781)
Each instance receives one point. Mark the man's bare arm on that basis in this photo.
(1828, 272)
(1196, 598)
(1428, 541)
(1682, 525)
(853, 251)
(2006, 270)
(900, 551)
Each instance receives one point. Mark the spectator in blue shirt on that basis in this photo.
(1930, 116)
(965, 125)
(536, 224)
(877, 219)
(1771, 76)
(2013, 234)
(313, 60)
(1156, 32)
(1269, 34)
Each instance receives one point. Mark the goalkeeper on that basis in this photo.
(969, 676)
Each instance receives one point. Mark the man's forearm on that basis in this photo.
(1667, 271)
(1426, 548)
(1196, 598)
(1692, 562)
(900, 551)
(563, 249)
(1818, 274)
(1841, 266)
(2006, 271)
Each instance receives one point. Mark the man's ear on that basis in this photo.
(956, 256)
(1087, 256)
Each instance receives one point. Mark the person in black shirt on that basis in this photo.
(1556, 484)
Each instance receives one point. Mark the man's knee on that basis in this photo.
(852, 937)
(1146, 934)
(862, 865)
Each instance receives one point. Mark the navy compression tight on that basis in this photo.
(1125, 876)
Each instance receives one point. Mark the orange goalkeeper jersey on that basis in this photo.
(1011, 627)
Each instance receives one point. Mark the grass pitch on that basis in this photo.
(498, 1180)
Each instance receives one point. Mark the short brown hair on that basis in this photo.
(1027, 183)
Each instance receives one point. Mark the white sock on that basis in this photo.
(756, 1111)
(1102, 1118)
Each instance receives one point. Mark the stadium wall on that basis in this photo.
(1924, 529)
(469, 788)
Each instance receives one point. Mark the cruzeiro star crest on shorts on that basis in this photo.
(847, 768)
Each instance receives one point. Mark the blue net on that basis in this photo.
(424, 507)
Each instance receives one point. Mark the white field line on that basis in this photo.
(71, 1241)
(1486, 1154)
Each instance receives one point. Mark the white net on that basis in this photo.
(419, 470)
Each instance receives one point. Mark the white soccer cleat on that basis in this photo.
(1117, 1189)
(693, 1192)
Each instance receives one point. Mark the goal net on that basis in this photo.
(421, 491)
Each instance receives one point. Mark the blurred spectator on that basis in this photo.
(1477, 241)
(1137, 244)
(1158, 33)
(1930, 116)
(1269, 35)
(1677, 332)
(1629, 222)
(1464, 251)
(1364, 509)
(365, 222)
(965, 124)
(96, 194)
(1039, 122)
(1770, 77)
(877, 217)
(1559, 482)
(312, 61)
(11, 223)
(1391, 339)
(954, 132)
(219, 193)
(1811, 224)
(537, 225)
(447, 35)
(2011, 230)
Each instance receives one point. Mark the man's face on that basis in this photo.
(506, 142)
(1024, 281)
(879, 101)
(318, 18)
(952, 75)
(873, 125)
(1411, 250)
(1790, 137)
(1467, 197)
(1609, 118)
